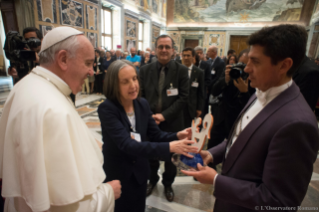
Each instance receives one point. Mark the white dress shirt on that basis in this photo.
(190, 71)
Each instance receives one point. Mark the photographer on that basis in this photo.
(235, 92)
(32, 36)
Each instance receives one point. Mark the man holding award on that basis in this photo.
(269, 154)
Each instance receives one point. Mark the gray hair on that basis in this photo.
(146, 52)
(111, 86)
(199, 48)
(70, 45)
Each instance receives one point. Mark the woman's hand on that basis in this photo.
(182, 147)
(185, 134)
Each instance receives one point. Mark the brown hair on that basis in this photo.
(111, 88)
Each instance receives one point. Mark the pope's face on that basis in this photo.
(128, 84)
(80, 66)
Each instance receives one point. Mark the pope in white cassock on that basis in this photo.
(49, 160)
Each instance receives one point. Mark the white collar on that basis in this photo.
(190, 67)
(271, 93)
(51, 74)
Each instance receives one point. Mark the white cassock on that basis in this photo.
(49, 160)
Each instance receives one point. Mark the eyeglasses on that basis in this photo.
(161, 47)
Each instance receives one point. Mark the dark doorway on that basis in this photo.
(191, 43)
(238, 43)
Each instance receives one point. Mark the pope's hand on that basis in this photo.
(207, 157)
(182, 147)
(116, 185)
(204, 174)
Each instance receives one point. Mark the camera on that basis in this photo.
(237, 70)
(15, 45)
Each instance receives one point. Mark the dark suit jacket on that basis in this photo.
(205, 66)
(172, 106)
(123, 156)
(271, 162)
(100, 66)
(231, 103)
(114, 58)
(216, 69)
(307, 78)
(143, 61)
(196, 97)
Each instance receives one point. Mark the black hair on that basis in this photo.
(281, 42)
(228, 59)
(33, 29)
(190, 49)
(245, 51)
(231, 51)
(164, 36)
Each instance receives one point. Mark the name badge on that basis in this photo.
(195, 84)
(136, 136)
(99, 64)
(213, 71)
(172, 91)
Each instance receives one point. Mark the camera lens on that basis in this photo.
(235, 73)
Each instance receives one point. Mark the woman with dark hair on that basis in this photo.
(108, 60)
(232, 59)
(127, 123)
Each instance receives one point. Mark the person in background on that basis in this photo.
(165, 85)
(99, 72)
(135, 59)
(112, 52)
(142, 53)
(125, 55)
(118, 55)
(232, 59)
(107, 62)
(146, 59)
(131, 136)
(229, 53)
(196, 97)
(307, 79)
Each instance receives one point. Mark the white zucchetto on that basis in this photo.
(57, 35)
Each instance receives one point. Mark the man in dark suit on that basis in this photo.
(205, 66)
(271, 149)
(164, 84)
(196, 97)
(217, 67)
(117, 55)
(307, 78)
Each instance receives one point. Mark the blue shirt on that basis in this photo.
(134, 59)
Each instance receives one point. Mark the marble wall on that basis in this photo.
(80, 14)
(156, 31)
(131, 32)
(207, 38)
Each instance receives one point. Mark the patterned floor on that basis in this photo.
(190, 196)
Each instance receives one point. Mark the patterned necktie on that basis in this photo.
(160, 89)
